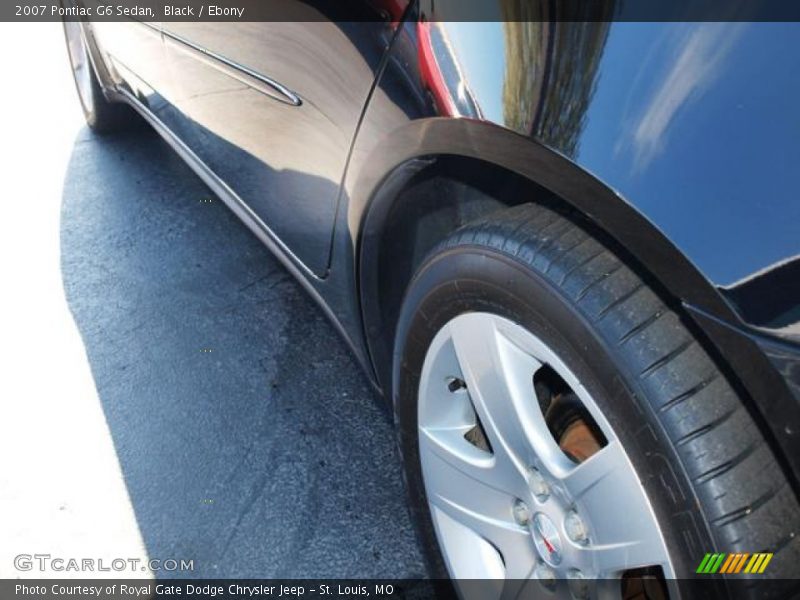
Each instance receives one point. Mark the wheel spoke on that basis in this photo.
(499, 377)
(484, 470)
(454, 486)
(519, 558)
(610, 463)
(612, 559)
(625, 533)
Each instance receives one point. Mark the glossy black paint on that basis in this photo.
(355, 147)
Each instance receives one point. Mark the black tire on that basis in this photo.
(102, 115)
(714, 484)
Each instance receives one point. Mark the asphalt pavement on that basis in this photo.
(247, 438)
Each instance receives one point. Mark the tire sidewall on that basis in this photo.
(477, 279)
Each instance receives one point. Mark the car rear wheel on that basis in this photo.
(100, 114)
(559, 422)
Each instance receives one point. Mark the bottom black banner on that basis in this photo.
(468, 589)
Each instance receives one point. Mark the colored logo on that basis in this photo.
(546, 538)
(734, 563)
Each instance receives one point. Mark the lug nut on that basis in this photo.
(522, 514)
(576, 528)
(538, 485)
(578, 585)
(545, 575)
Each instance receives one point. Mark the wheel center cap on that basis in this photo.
(546, 538)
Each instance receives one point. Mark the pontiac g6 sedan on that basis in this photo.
(567, 254)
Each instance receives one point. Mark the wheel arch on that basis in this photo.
(449, 156)
(442, 173)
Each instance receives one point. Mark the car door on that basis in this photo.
(271, 108)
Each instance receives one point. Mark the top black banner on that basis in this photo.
(393, 10)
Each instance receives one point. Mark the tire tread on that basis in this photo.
(742, 490)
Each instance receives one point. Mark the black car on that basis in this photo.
(566, 253)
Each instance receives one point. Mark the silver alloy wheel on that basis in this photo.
(521, 508)
(81, 66)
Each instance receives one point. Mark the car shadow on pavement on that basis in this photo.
(248, 438)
